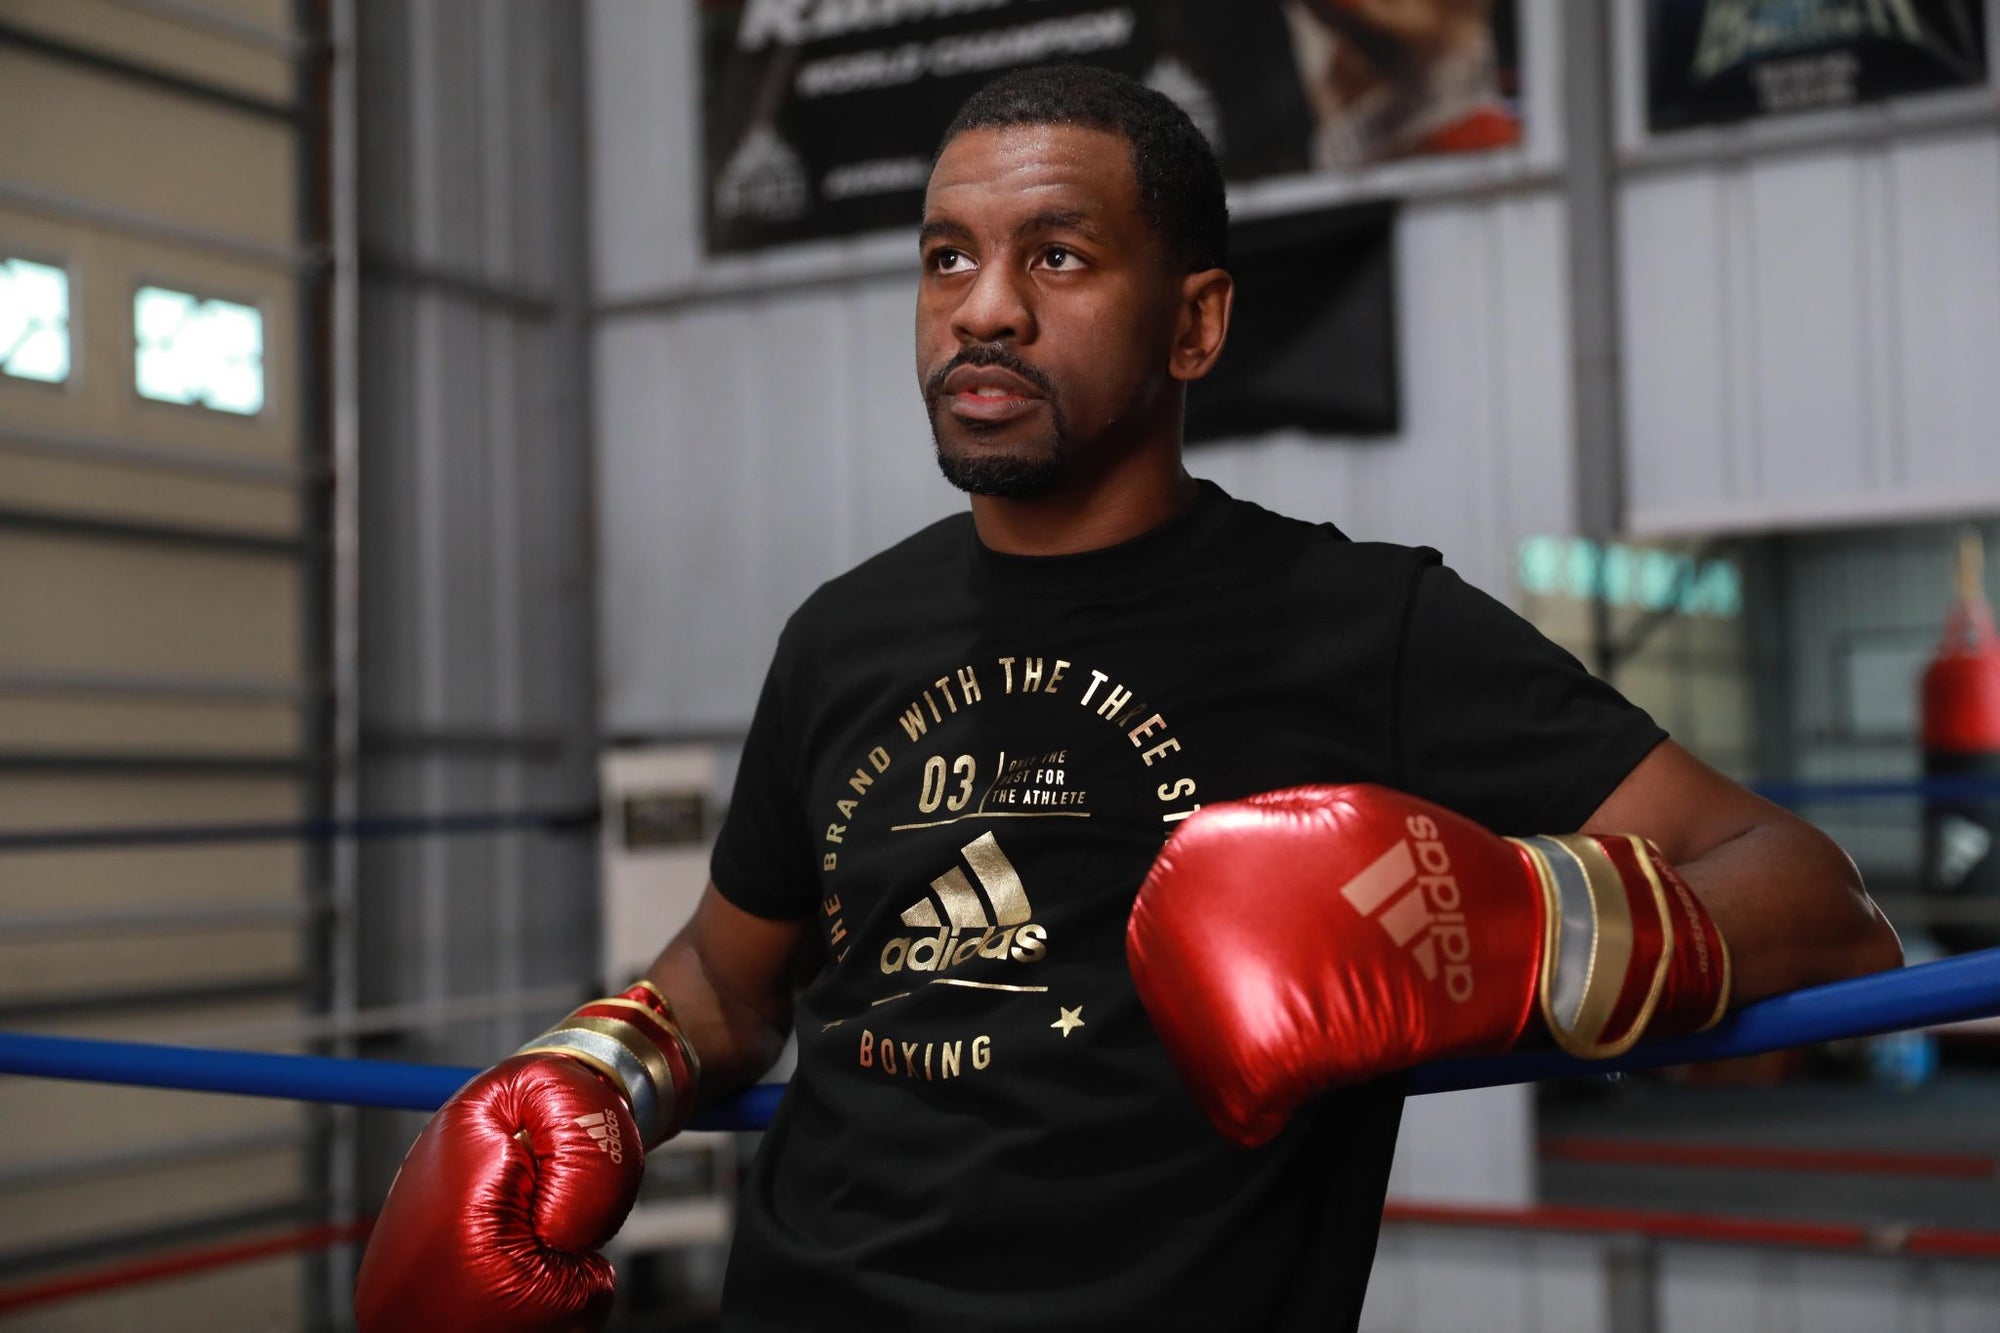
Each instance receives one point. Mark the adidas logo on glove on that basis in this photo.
(1426, 919)
(997, 925)
(604, 1129)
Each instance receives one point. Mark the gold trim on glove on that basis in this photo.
(1613, 938)
(608, 1054)
(668, 1021)
(1651, 858)
(629, 1053)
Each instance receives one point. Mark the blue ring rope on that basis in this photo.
(1946, 991)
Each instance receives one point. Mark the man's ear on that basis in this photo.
(1203, 324)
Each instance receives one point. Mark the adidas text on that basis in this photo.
(948, 949)
(604, 1130)
(1411, 893)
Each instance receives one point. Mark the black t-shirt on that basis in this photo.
(960, 768)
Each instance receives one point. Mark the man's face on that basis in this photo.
(1046, 310)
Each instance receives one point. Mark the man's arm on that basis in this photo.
(730, 976)
(1784, 895)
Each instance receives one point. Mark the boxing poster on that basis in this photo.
(820, 117)
(1713, 61)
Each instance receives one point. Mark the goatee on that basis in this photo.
(1012, 474)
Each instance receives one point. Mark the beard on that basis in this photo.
(1013, 472)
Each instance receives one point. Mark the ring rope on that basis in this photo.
(1947, 991)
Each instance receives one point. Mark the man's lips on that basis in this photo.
(990, 381)
(989, 393)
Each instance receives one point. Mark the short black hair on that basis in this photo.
(1180, 183)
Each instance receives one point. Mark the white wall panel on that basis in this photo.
(1484, 457)
(797, 380)
(1702, 1288)
(897, 485)
(1808, 319)
(1967, 1296)
(1679, 425)
(1475, 1146)
(750, 449)
(1809, 337)
(1443, 1280)
(1726, 1288)
(645, 145)
(1451, 1280)
(1946, 258)
(670, 617)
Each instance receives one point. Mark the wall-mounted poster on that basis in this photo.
(1722, 60)
(820, 116)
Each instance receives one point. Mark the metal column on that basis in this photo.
(1591, 209)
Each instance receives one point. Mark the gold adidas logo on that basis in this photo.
(604, 1129)
(993, 920)
(1426, 919)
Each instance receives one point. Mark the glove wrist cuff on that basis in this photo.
(1627, 949)
(634, 1040)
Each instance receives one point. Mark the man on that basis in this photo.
(966, 757)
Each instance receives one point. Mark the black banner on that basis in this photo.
(1312, 336)
(820, 116)
(1725, 60)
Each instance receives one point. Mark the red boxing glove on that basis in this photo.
(1305, 939)
(494, 1221)
(496, 1216)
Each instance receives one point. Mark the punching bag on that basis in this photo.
(1961, 720)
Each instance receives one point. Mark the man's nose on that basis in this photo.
(996, 306)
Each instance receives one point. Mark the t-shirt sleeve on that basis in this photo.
(763, 860)
(1498, 723)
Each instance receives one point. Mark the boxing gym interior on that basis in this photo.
(418, 419)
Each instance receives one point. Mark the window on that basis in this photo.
(1636, 576)
(34, 321)
(200, 353)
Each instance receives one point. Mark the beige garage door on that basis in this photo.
(155, 602)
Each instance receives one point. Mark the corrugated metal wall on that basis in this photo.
(476, 624)
(1811, 306)
(759, 428)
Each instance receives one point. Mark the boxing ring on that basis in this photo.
(1925, 996)
(1928, 995)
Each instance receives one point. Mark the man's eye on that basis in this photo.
(1060, 257)
(948, 261)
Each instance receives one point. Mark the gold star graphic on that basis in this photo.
(1071, 1018)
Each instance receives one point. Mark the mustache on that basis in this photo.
(987, 354)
